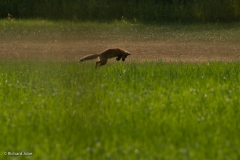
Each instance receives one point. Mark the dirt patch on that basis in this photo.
(141, 51)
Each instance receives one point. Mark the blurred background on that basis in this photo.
(137, 10)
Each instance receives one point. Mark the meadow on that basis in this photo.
(62, 109)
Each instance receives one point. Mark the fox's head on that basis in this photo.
(124, 56)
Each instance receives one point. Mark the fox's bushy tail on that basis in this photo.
(88, 57)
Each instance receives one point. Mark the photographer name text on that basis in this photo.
(18, 153)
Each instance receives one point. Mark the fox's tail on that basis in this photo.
(88, 57)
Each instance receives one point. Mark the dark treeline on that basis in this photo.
(141, 10)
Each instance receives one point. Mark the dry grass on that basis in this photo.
(164, 43)
(141, 51)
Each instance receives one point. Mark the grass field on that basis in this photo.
(61, 109)
(65, 110)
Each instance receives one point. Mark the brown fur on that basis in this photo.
(105, 55)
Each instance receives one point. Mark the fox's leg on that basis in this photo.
(98, 62)
(101, 62)
(119, 57)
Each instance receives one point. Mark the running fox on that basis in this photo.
(105, 55)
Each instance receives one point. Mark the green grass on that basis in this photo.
(66, 110)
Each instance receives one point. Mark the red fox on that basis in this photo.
(105, 55)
